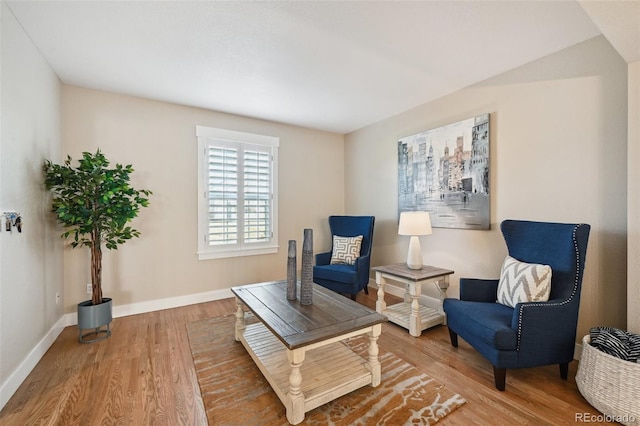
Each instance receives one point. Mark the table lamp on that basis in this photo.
(414, 224)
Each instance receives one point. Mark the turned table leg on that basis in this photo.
(373, 364)
(442, 285)
(415, 321)
(295, 397)
(381, 305)
(240, 325)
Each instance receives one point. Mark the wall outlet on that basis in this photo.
(57, 297)
(89, 288)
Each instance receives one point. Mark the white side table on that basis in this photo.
(410, 314)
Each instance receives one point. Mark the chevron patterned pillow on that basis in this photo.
(345, 250)
(523, 282)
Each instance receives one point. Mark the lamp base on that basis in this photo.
(414, 256)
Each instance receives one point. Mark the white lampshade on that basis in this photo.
(414, 223)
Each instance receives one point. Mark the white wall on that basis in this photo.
(31, 261)
(633, 291)
(158, 139)
(558, 153)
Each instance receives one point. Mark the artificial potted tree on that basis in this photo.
(94, 203)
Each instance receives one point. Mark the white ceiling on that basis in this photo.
(334, 65)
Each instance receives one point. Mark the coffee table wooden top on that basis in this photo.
(298, 325)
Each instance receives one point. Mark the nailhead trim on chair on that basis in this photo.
(564, 302)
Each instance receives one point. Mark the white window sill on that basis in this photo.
(208, 255)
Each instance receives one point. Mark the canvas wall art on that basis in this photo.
(445, 171)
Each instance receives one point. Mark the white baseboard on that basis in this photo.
(159, 304)
(9, 387)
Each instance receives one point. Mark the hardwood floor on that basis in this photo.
(143, 375)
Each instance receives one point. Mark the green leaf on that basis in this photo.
(94, 200)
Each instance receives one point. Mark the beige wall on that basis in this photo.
(558, 153)
(158, 139)
(31, 261)
(633, 292)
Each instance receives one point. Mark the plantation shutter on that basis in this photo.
(239, 193)
(237, 207)
(257, 196)
(223, 195)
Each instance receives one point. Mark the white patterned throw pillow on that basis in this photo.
(523, 282)
(345, 249)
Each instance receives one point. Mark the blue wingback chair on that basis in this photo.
(347, 279)
(533, 333)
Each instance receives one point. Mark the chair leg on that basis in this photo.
(353, 297)
(366, 289)
(454, 338)
(564, 370)
(500, 377)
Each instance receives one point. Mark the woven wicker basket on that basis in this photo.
(610, 384)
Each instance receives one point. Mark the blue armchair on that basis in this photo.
(342, 278)
(532, 333)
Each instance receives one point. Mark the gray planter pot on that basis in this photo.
(94, 317)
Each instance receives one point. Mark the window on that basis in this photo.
(237, 188)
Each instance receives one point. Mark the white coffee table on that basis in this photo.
(299, 349)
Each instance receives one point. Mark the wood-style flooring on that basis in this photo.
(144, 375)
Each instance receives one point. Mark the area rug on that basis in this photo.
(234, 391)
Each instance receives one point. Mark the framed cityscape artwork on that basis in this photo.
(445, 171)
